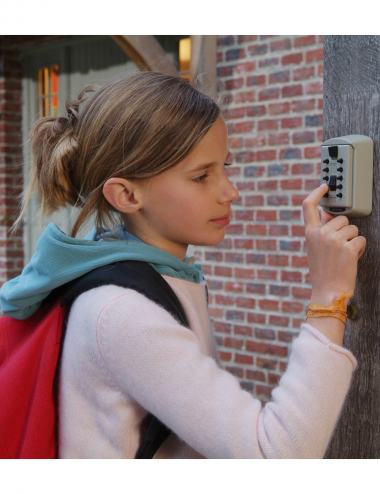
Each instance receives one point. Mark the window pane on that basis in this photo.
(48, 88)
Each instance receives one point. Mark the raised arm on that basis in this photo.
(333, 250)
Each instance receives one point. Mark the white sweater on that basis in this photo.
(124, 355)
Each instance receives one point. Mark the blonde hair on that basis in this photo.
(134, 127)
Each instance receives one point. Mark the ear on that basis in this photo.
(122, 194)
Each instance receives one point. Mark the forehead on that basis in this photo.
(212, 147)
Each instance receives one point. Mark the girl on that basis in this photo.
(151, 149)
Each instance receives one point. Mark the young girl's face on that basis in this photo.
(189, 203)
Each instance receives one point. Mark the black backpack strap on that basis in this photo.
(139, 276)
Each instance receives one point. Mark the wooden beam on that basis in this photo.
(146, 52)
(351, 105)
(203, 61)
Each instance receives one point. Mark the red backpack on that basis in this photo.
(29, 356)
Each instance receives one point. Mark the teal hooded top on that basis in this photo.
(60, 259)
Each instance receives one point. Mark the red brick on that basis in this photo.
(270, 93)
(320, 70)
(298, 231)
(234, 113)
(299, 262)
(314, 87)
(278, 139)
(234, 286)
(259, 347)
(245, 38)
(259, 80)
(283, 366)
(245, 185)
(242, 216)
(266, 244)
(258, 288)
(314, 55)
(249, 303)
(251, 201)
(233, 343)
(293, 307)
(255, 258)
(286, 336)
(303, 73)
(226, 71)
(234, 257)
(244, 273)
(303, 105)
(243, 97)
(297, 199)
(290, 215)
(243, 127)
(255, 375)
(320, 104)
(291, 184)
(235, 371)
(266, 155)
(293, 58)
(235, 54)
(279, 108)
(256, 317)
(217, 313)
(273, 379)
(279, 77)
(267, 304)
(302, 169)
(279, 320)
(266, 363)
(222, 271)
(281, 44)
(257, 141)
(222, 327)
(258, 49)
(290, 123)
(294, 90)
(292, 245)
(267, 125)
(265, 334)
(278, 230)
(243, 330)
(266, 274)
(244, 157)
(298, 292)
(256, 230)
(243, 67)
(269, 62)
(267, 184)
(297, 322)
(243, 359)
(304, 41)
(266, 215)
(224, 356)
(243, 244)
(255, 111)
(314, 152)
(278, 260)
(223, 299)
(214, 256)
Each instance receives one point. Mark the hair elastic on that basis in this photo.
(337, 310)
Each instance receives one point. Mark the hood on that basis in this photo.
(60, 259)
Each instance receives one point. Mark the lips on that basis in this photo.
(222, 221)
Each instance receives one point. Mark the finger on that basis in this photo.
(336, 224)
(325, 217)
(310, 210)
(359, 243)
(348, 233)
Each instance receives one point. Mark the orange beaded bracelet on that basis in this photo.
(338, 310)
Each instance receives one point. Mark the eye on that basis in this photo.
(200, 179)
(227, 164)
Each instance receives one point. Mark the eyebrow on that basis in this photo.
(204, 166)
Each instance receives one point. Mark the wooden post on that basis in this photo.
(146, 52)
(203, 61)
(352, 106)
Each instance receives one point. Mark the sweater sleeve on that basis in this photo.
(160, 364)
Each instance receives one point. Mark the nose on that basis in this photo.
(229, 193)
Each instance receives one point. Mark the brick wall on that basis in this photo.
(11, 248)
(258, 276)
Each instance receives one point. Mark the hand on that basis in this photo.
(333, 250)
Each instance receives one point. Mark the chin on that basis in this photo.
(210, 241)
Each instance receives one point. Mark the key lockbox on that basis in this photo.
(347, 168)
